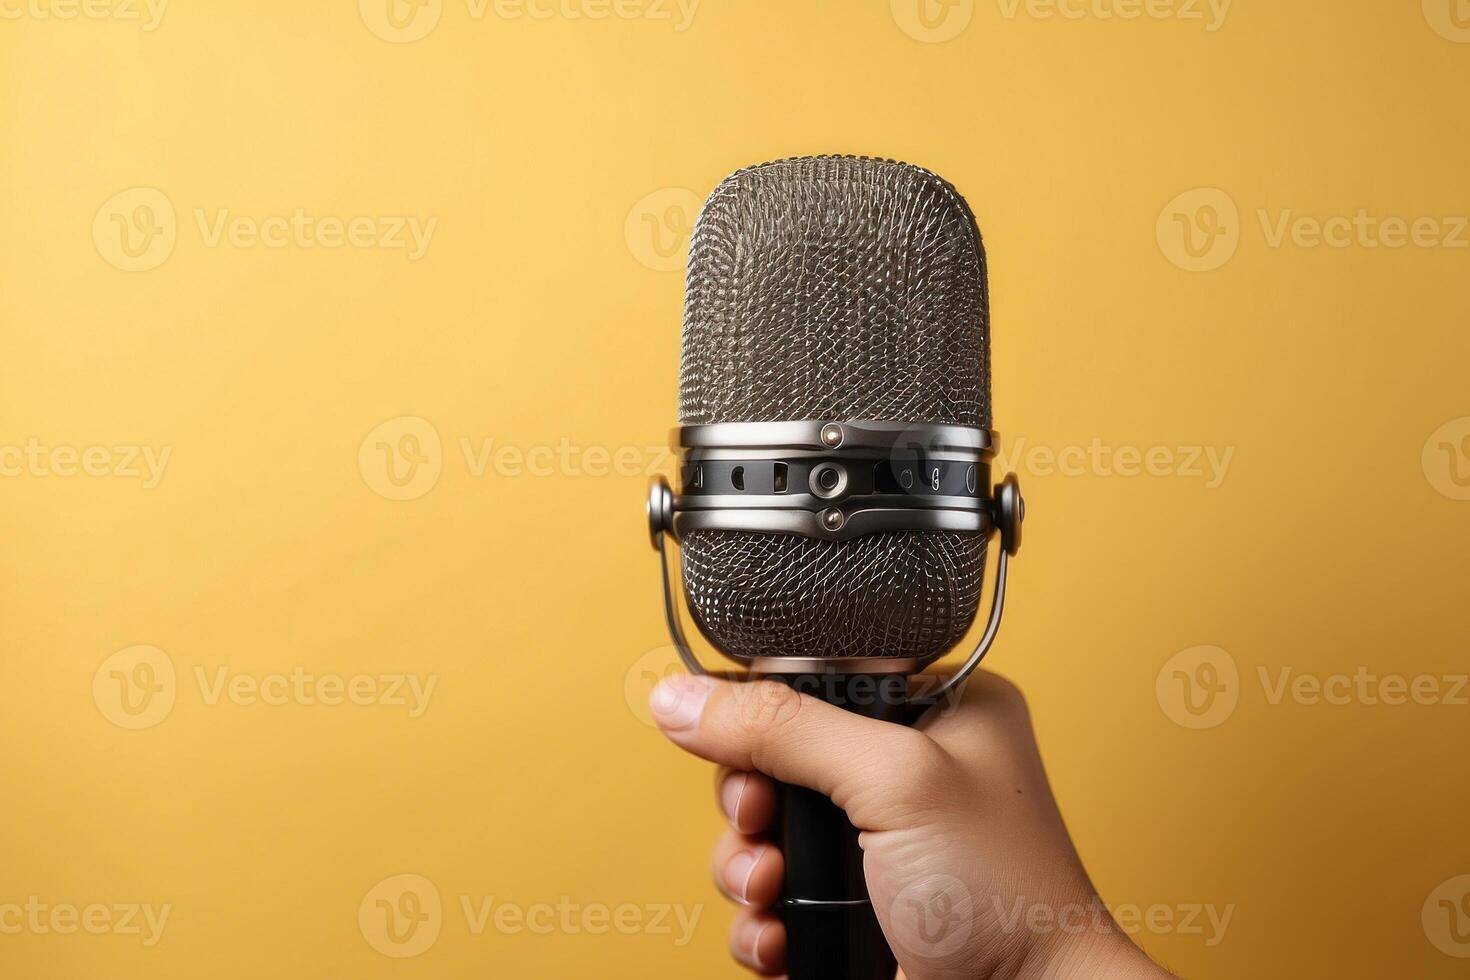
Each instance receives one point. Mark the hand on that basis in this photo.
(968, 864)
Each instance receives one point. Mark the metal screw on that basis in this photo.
(832, 434)
(832, 519)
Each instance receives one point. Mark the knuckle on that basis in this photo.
(1001, 692)
(766, 706)
(908, 775)
(916, 760)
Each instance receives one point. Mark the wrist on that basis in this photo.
(1114, 957)
(1100, 952)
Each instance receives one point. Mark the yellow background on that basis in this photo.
(537, 315)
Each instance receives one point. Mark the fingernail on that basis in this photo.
(730, 795)
(739, 870)
(755, 947)
(678, 701)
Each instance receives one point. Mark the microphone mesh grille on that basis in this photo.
(835, 289)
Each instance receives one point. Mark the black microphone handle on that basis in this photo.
(832, 932)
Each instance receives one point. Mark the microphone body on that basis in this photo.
(834, 503)
(832, 929)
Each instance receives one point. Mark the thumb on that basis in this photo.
(767, 727)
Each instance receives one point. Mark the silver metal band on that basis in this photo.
(882, 436)
(832, 523)
(847, 479)
(836, 665)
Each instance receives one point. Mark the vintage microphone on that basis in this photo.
(834, 505)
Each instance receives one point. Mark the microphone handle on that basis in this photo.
(832, 932)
